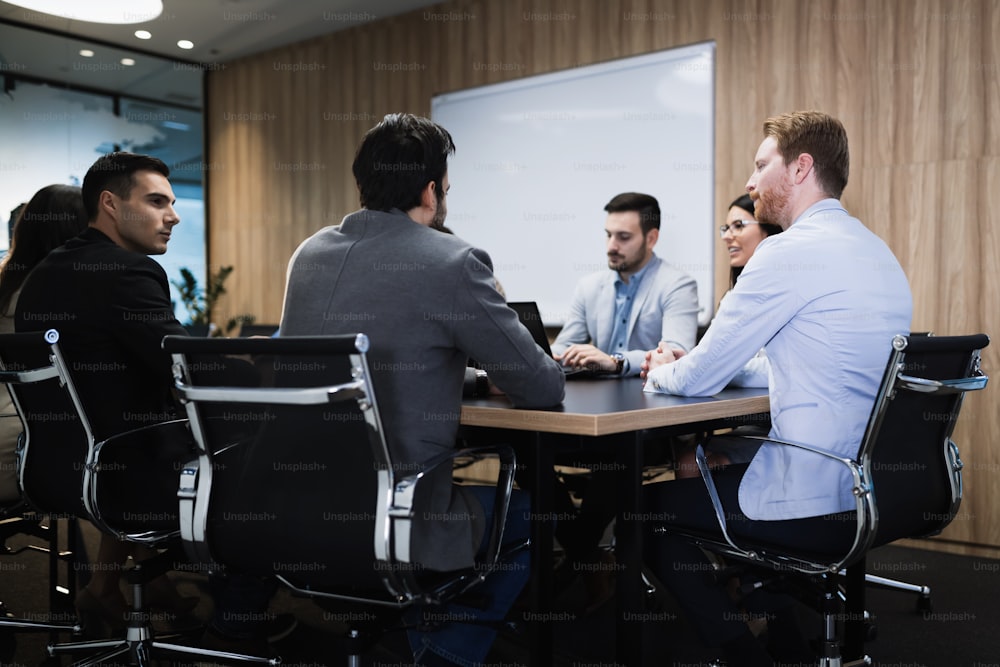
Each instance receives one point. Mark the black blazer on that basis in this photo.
(112, 308)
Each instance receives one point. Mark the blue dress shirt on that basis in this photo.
(624, 298)
(824, 299)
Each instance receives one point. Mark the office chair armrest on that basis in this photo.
(801, 445)
(861, 489)
(277, 395)
(404, 492)
(942, 387)
(135, 438)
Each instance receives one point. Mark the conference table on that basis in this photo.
(612, 417)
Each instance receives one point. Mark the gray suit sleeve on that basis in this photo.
(495, 338)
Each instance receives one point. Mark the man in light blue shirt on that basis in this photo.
(617, 316)
(824, 299)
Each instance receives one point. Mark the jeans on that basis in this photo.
(460, 640)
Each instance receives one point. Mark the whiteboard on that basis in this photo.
(537, 159)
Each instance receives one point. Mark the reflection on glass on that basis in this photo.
(53, 135)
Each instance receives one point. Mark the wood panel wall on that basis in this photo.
(914, 81)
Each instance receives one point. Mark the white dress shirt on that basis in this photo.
(824, 299)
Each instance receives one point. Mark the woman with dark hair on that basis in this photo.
(742, 233)
(54, 215)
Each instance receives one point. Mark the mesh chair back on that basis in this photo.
(297, 490)
(907, 452)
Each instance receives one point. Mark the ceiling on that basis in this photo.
(43, 47)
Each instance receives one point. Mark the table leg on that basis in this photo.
(628, 550)
(540, 584)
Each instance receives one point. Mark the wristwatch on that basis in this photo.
(619, 360)
(482, 383)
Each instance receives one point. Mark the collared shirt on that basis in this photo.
(824, 299)
(664, 307)
(624, 298)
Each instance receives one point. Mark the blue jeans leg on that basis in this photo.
(459, 639)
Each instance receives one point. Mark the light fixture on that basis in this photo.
(86, 53)
(128, 62)
(105, 11)
(185, 44)
(143, 34)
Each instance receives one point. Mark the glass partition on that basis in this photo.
(61, 111)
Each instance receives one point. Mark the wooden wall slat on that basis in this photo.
(916, 83)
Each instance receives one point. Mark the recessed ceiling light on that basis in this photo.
(128, 62)
(143, 34)
(86, 53)
(105, 11)
(185, 44)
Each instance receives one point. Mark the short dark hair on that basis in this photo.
(645, 205)
(821, 136)
(744, 202)
(398, 158)
(54, 215)
(115, 172)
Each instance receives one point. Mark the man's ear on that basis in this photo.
(106, 202)
(428, 196)
(652, 236)
(803, 165)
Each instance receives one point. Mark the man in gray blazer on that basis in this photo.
(427, 302)
(617, 315)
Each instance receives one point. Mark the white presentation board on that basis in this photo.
(538, 158)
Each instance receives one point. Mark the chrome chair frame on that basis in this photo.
(896, 380)
(397, 494)
(139, 643)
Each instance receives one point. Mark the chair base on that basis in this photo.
(139, 645)
(141, 653)
(866, 661)
(25, 624)
(923, 592)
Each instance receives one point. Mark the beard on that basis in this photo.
(437, 222)
(627, 263)
(771, 206)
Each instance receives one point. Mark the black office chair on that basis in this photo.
(125, 485)
(18, 519)
(907, 480)
(294, 478)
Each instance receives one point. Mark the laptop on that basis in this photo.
(531, 318)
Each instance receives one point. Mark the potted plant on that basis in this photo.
(200, 302)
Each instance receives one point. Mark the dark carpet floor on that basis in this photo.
(961, 630)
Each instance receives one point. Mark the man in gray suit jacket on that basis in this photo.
(427, 302)
(617, 315)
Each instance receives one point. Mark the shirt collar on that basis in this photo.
(822, 206)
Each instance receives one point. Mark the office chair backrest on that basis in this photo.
(127, 484)
(907, 451)
(57, 442)
(296, 487)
